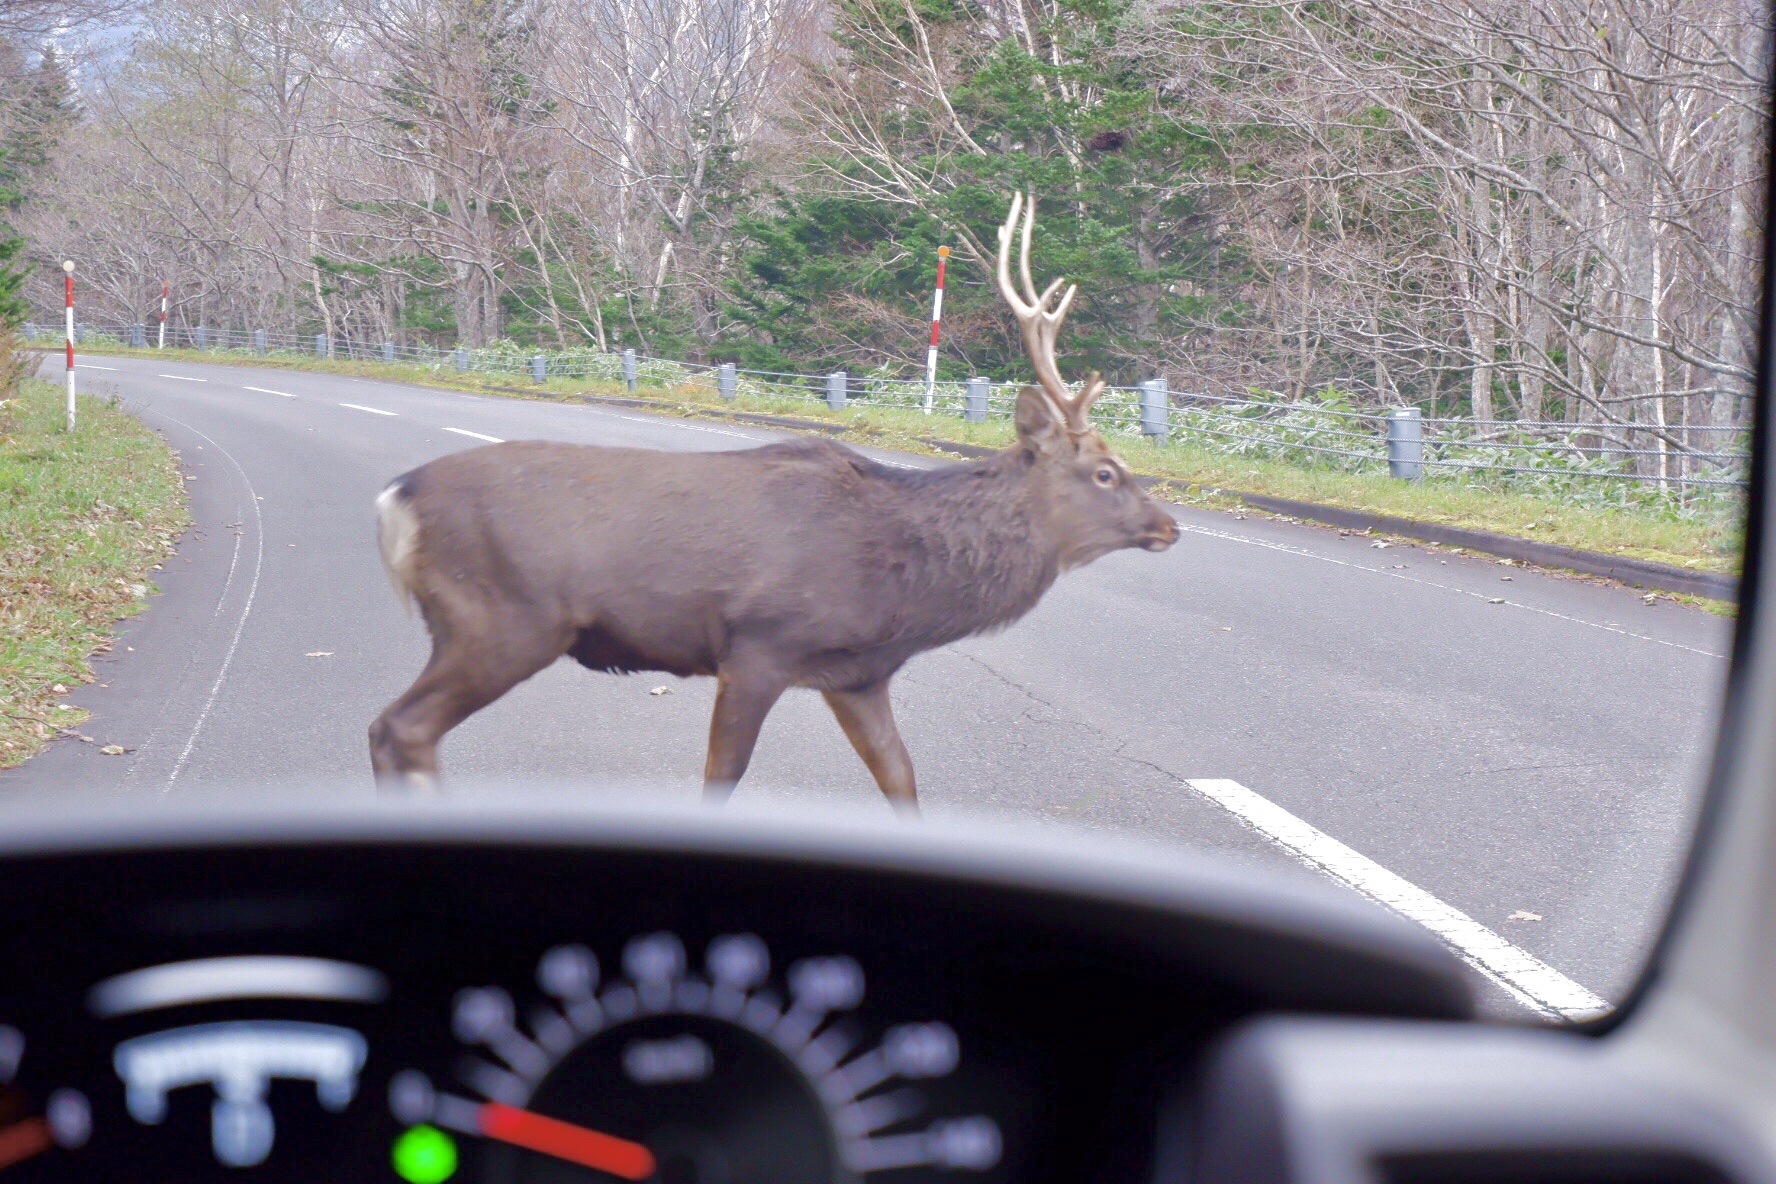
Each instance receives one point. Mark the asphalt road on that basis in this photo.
(1540, 755)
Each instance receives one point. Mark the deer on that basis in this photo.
(793, 564)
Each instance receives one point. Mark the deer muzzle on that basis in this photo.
(1163, 533)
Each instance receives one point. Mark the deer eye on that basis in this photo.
(1105, 477)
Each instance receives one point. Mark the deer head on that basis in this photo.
(1092, 500)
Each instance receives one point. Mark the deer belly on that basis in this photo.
(598, 649)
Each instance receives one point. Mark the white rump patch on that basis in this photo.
(397, 531)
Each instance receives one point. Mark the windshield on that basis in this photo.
(671, 396)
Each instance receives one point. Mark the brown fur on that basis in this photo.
(798, 564)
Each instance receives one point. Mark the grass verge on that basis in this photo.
(85, 518)
(1698, 542)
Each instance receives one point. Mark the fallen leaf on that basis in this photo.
(1379, 546)
(1524, 915)
(319, 654)
(1507, 578)
(1650, 598)
(86, 740)
(661, 691)
(114, 750)
(59, 689)
(1496, 600)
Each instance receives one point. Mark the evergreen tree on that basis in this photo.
(834, 275)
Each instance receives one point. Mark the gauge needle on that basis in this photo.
(24, 1139)
(564, 1140)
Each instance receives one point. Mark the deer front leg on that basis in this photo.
(868, 720)
(742, 701)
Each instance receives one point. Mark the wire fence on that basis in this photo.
(1682, 463)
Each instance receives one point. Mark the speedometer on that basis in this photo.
(714, 1075)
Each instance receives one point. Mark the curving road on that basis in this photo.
(1531, 746)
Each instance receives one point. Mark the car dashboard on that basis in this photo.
(431, 995)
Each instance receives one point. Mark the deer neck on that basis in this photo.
(986, 550)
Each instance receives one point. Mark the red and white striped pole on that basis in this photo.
(166, 289)
(68, 266)
(943, 256)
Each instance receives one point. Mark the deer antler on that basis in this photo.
(1040, 318)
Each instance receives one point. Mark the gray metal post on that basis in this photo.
(727, 380)
(79, 333)
(138, 337)
(974, 406)
(835, 390)
(462, 358)
(321, 344)
(259, 340)
(203, 338)
(30, 330)
(539, 369)
(388, 352)
(629, 370)
(1156, 409)
(1406, 443)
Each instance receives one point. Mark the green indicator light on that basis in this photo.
(425, 1155)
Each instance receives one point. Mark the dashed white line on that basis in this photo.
(371, 410)
(265, 390)
(1525, 977)
(1394, 575)
(90, 366)
(689, 427)
(183, 377)
(476, 435)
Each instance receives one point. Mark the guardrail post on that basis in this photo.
(30, 330)
(80, 334)
(835, 390)
(1405, 440)
(321, 345)
(259, 340)
(539, 369)
(388, 352)
(629, 370)
(138, 337)
(203, 337)
(462, 358)
(727, 380)
(1156, 410)
(974, 404)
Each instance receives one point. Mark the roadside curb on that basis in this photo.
(1639, 573)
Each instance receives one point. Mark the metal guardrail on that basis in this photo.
(1402, 442)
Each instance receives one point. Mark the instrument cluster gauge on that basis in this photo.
(724, 1073)
(33, 1130)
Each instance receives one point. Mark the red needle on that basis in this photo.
(564, 1140)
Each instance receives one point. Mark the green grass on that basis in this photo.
(1703, 541)
(85, 518)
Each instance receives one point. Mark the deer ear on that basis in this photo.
(1041, 427)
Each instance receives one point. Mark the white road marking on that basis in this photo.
(240, 624)
(265, 390)
(689, 427)
(476, 435)
(371, 410)
(1394, 575)
(90, 366)
(1527, 978)
(184, 377)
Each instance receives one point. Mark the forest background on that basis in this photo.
(1503, 209)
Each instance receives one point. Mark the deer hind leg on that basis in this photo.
(868, 720)
(462, 676)
(742, 701)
